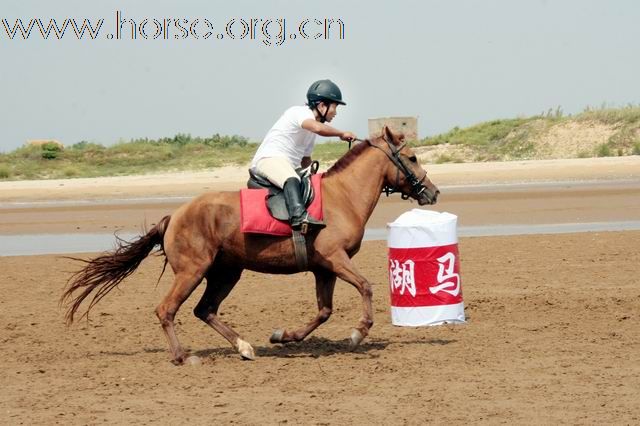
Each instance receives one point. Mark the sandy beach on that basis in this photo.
(555, 191)
(551, 336)
(233, 178)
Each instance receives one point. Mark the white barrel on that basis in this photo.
(424, 269)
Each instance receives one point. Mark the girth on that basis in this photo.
(278, 207)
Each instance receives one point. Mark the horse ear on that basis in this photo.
(387, 134)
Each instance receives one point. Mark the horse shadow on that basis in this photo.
(317, 347)
(313, 347)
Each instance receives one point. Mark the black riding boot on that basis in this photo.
(299, 218)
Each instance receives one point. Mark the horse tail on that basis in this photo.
(106, 271)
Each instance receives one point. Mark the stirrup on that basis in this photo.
(309, 226)
(306, 225)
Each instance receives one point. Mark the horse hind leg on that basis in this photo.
(220, 282)
(325, 284)
(185, 281)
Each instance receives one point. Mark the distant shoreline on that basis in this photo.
(232, 178)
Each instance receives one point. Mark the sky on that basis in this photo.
(451, 63)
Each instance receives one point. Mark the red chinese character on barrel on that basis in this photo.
(424, 269)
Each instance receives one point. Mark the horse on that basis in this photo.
(203, 239)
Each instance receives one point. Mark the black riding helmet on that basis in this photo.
(324, 90)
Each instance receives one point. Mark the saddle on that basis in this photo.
(253, 220)
(275, 198)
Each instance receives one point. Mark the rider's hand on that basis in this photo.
(348, 136)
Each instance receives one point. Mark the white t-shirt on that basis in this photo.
(287, 138)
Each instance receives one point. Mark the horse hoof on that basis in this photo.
(193, 360)
(356, 338)
(179, 360)
(277, 336)
(245, 350)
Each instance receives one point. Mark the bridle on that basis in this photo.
(417, 188)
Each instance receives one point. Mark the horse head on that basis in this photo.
(404, 174)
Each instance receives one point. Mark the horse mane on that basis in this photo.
(355, 152)
(347, 158)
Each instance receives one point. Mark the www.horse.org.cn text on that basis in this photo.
(268, 31)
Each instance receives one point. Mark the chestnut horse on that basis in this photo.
(202, 239)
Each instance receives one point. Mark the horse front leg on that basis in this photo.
(325, 283)
(345, 270)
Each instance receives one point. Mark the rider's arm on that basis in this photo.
(325, 130)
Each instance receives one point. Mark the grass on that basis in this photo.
(483, 134)
(496, 140)
(493, 140)
(625, 116)
(327, 153)
(513, 139)
(138, 156)
(625, 120)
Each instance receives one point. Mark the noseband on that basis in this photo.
(417, 188)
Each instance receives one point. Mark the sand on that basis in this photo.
(232, 178)
(552, 333)
(552, 337)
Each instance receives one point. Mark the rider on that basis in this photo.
(289, 144)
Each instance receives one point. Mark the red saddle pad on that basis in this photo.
(256, 219)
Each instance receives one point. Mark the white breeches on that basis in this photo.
(276, 169)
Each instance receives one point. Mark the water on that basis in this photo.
(500, 230)
(21, 245)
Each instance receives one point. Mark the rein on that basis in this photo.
(417, 188)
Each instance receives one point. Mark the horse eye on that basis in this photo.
(413, 159)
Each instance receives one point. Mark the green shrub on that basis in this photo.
(5, 172)
(84, 145)
(51, 151)
(603, 150)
